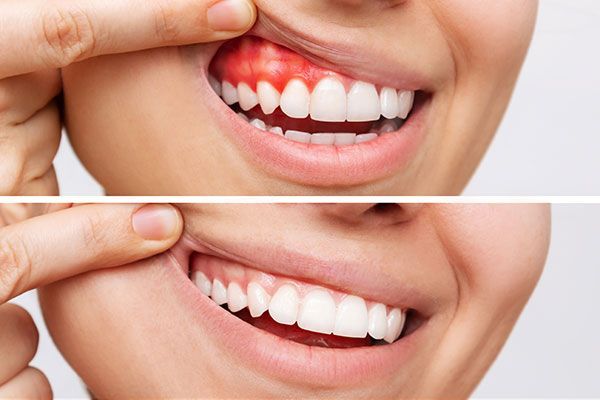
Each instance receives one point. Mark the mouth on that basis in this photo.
(310, 124)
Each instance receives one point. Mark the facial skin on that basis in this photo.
(477, 264)
(141, 125)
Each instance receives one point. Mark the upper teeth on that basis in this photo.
(328, 102)
(316, 311)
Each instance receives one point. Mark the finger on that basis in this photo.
(55, 246)
(46, 185)
(18, 340)
(30, 383)
(57, 33)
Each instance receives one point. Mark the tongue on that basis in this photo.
(294, 333)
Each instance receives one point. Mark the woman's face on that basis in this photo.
(449, 280)
(150, 123)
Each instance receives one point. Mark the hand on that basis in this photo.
(37, 37)
(58, 245)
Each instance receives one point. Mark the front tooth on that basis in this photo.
(258, 299)
(352, 319)
(298, 136)
(377, 321)
(268, 97)
(363, 103)
(258, 123)
(202, 282)
(236, 299)
(317, 313)
(322, 138)
(405, 103)
(295, 99)
(328, 101)
(276, 130)
(389, 102)
(345, 139)
(229, 93)
(218, 293)
(248, 99)
(367, 137)
(215, 84)
(283, 307)
(395, 323)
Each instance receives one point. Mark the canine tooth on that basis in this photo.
(395, 323)
(322, 138)
(366, 137)
(295, 99)
(236, 298)
(328, 101)
(344, 139)
(351, 319)
(276, 130)
(283, 307)
(258, 299)
(258, 123)
(229, 93)
(389, 102)
(317, 312)
(215, 84)
(377, 321)
(363, 103)
(406, 101)
(202, 282)
(218, 292)
(298, 136)
(248, 99)
(268, 97)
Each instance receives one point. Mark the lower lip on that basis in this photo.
(289, 361)
(319, 165)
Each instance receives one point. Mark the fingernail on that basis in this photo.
(230, 15)
(155, 221)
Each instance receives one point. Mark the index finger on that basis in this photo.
(40, 34)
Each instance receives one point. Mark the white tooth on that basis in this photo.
(405, 103)
(248, 99)
(268, 97)
(258, 299)
(298, 136)
(389, 102)
(218, 292)
(236, 299)
(295, 99)
(202, 282)
(363, 103)
(257, 123)
(276, 130)
(352, 319)
(229, 93)
(388, 126)
(367, 137)
(345, 139)
(395, 323)
(317, 312)
(283, 307)
(322, 138)
(243, 116)
(377, 321)
(215, 84)
(328, 101)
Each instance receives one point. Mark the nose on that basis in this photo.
(372, 214)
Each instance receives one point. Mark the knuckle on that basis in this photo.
(15, 265)
(166, 21)
(67, 36)
(94, 234)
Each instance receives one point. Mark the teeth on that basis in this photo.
(377, 321)
(317, 313)
(351, 319)
(388, 126)
(243, 116)
(236, 299)
(276, 130)
(268, 97)
(363, 103)
(283, 307)
(328, 101)
(322, 138)
(345, 139)
(395, 323)
(405, 103)
(367, 137)
(257, 123)
(215, 84)
(229, 93)
(247, 98)
(389, 102)
(295, 99)
(298, 136)
(202, 282)
(258, 299)
(218, 293)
